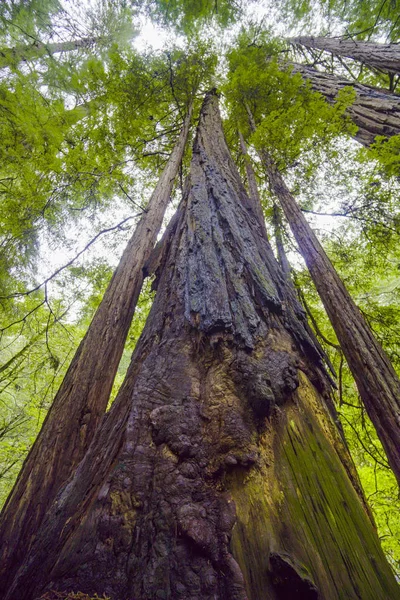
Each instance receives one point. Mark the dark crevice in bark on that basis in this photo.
(150, 512)
(290, 579)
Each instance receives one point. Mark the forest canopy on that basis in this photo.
(92, 100)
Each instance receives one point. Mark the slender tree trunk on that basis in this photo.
(377, 382)
(84, 393)
(254, 194)
(13, 56)
(374, 111)
(283, 260)
(385, 57)
(224, 404)
(287, 271)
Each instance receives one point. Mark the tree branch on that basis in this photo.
(68, 264)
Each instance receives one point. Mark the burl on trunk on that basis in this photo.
(218, 473)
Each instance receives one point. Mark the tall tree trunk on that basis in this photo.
(224, 404)
(280, 248)
(376, 380)
(385, 57)
(374, 111)
(84, 393)
(254, 194)
(13, 56)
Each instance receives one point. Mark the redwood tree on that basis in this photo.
(219, 471)
(376, 379)
(374, 111)
(84, 393)
(385, 57)
(11, 57)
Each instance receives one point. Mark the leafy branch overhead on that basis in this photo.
(110, 134)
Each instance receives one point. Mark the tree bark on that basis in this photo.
(376, 380)
(224, 404)
(385, 57)
(280, 248)
(84, 393)
(374, 111)
(254, 194)
(13, 56)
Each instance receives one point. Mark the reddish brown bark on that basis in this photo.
(84, 393)
(254, 194)
(385, 57)
(375, 112)
(217, 395)
(280, 248)
(373, 372)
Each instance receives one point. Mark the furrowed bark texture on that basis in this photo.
(373, 372)
(224, 405)
(373, 111)
(84, 393)
(385, 57)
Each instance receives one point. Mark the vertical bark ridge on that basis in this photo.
(84, 393)
(215, 380)
(372, 370)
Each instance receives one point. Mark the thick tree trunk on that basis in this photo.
(84, 393)
(224, 403)
(13, 56)
(385, 57)
(373, 111)
(375, 377)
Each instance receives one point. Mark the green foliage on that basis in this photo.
(290, 117)
(365, 251)
(358, 18)
(387, 152)
(378, 481)
(186, 15)
(27, 18)
(36, 346)
(59, 165)
(86, 132)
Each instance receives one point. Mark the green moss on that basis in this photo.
(304, 505)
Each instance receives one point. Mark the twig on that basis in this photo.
(385, 466)
(315, 324)
(171, 83)
(68, 264)
(132, 200)
(25, 317)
